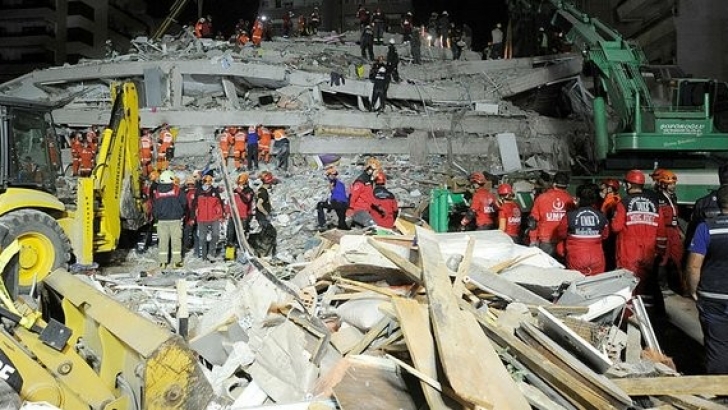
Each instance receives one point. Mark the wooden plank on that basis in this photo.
(692, 403)
(366, 386)
(414, 321)
(458, 286)
(682, 385)
(570, 388)
(369, 337)
(409, 268)
(470, 362)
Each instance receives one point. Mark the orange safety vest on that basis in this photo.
(166, 141)
(87, 158)
(76, 147)
(257, 33)
(239, 141)
(225, 140)
(265, 137)
(243, 39)
(147, 145)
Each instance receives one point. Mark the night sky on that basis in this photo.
(480, 15)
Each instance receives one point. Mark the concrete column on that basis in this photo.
(101, 23)
(175, 87)
(61, 28)
(418, 147)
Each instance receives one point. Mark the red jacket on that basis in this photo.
(361, 196)
(548, 210)
(244, 198)
(384, 207)
(208, 205)
(485, 207)
(638, 222)
(511, 213)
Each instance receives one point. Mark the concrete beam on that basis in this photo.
(231, 93)
(545, 75)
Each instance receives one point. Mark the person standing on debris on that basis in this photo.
(366, 42)
(314, 21)
(638, 223)
(379, 92)
(287, 24)
(455, 35)
(432, 29)
(583, 231)
(146, 151)
(415, 48)
(484, 206)
(243, 38)
(169, 209)
(543, 42)
(199, 27)
(264, 140)
(264, 241)
(302, 30)
(407, 27)
(226, 140)
(243, 196)
(76, 148)
(546, 214)
(87, 158)
(384, 209)
(252, 147)
(392, 61)
(165, 147)
(609, 193)
(208, 211)
(378, 22)
(282, 148)
(362, 14)
(257, 32)
(708, 283)
(497, 40)
(509, 213)
(189, 229)
(443, 25)
(670, 247)
(338, 201)
(239, 140)
(92, 136)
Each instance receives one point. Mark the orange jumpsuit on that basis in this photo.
(265, 137)
(225, 139)
(257, 33)
(239, 148)
(92, 139)
(166, 143)
(53, 152)
(243, 39)
(146, 146)
(76, 148)
(88, 157)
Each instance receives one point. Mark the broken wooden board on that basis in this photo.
(499, 285)
(692, 403)
(414, 321)
(470, 362)
(681, 385)
(368, 385)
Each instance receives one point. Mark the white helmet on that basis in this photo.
(391, 41)
(167, 177)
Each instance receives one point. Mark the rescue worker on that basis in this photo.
(583, 230)
(378, 24)
(252, 148)
(707, 206)
(708, 283)
(483, 207)
(199, 27)
(243, 196)
(443, 25)
(208, 211)
(384, 209)
(92, 136)
(226, 140)
(392, 61)
(314, 20)
(189, 229)
(432, 29)
(415, 48)
(670, 247)
(361, 194)
(282, 148)
(366, 42)
(546, 214)
(362, 14)
(287, 24)
(257, 32)
(497, 42)
(302, 31)
(265, 138)
(76, 148)
(239, 140)
(509, 213)
(264, 242)
(243, 38)
(407, 27)
(146, 151)
(165, 147)
(169, 209)
(87, 158)
(609, 192)
(379, 92)
(338, 201)
(637, 222)
(455, 36)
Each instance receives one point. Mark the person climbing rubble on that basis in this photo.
(361, 194)
(169, 208)
(243, 198)
(384, 209)
(239, 140)
(337, 201)
(583, 230)
(509, 213)
(242, 38)
(546, 214)
(208, 211)
(483, 207)
(282, 149)
(165, 147)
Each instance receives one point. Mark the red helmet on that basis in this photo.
(477, 178)
(505, 189)
(266, 177)
(635, 176)
(612, 183)
(381, 178)
(664, 177)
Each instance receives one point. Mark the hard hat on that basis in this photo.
(190, 180)
(444, 12)
(477, 178)
(655, 175)
(540, 29)
(612, 183)
(243, 178)
(207, 179)
(373, 163)
(279, 134)
(409, 13)
(505, 189)
(266, 177)
(331, 171)
(167, 177)
(391, 41)
(665, 177)
(381, 178)
(498, 25)
(153, 176)
(201, 20)
(635, 176)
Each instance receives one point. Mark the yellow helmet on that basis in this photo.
(373, 163)
(243, 178)
(207, 179)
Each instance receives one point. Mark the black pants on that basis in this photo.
(379, 94)
(231, 235)
(282, 158)
(252, 156)
(714, 321)
(367, 48)
(338, 207)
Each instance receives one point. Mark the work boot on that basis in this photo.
(162, 265)
(179, 265)
(321, 229)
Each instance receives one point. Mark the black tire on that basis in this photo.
(44, 248)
